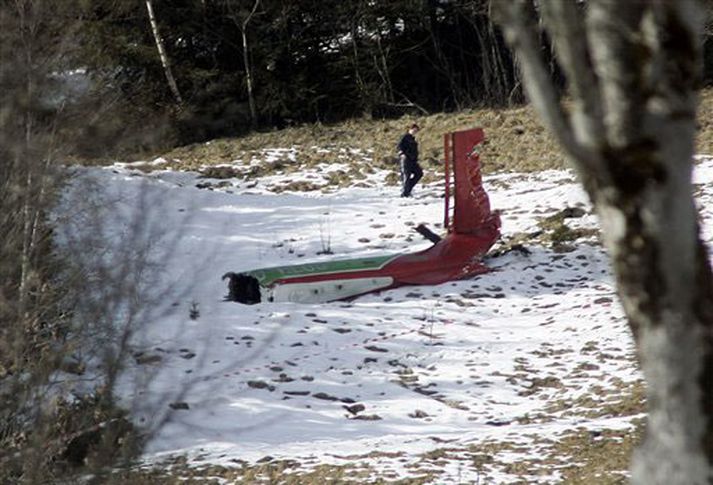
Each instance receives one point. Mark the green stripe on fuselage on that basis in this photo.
(267, 276)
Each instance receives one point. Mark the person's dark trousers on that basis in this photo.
(411, 173)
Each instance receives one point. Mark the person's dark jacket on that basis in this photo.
(409, 147)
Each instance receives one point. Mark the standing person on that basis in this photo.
(411, 171)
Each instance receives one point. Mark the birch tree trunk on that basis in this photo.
(246, 62)
(162, 54)
(632, 70)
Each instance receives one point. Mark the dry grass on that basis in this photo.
(598, 457)
(515, 139)
(704, 140)
(279, 472)
(581, 456)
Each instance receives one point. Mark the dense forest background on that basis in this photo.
(245, 64)
(241, 65)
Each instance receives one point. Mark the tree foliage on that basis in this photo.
(310, 60)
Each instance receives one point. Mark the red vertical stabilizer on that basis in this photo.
(471, 209)
(472, 227)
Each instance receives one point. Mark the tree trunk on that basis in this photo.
(366, 97)
(630, 135)
(162, 54)
(442, 63)
(383, 70)
(246, 62)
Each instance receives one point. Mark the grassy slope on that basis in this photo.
(516, 141)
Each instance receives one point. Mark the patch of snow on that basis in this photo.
(507, 356)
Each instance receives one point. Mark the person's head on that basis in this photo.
(413, 129)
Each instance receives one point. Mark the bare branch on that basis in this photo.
(675, 74)
(565, 24)
(250, 15)
(620, 57)
(518, 18)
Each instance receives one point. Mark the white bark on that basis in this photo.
(523, 37)
(631, 69)
(572, 49)
(162, 54)
(246, 61)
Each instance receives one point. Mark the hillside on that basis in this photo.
(516, 141)
(527, 374)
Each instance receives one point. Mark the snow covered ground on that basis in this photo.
(462, 381)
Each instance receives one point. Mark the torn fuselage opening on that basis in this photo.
(242, 288)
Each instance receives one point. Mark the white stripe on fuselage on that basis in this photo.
(324, 291)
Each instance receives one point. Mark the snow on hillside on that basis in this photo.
(463, 380)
